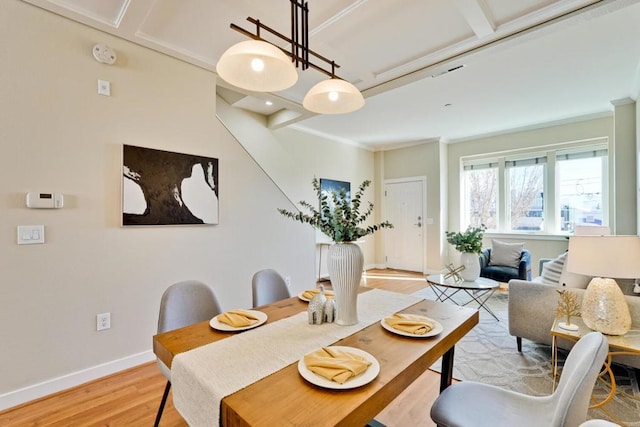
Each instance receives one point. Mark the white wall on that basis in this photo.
(328, 159)
(636, 155)
(625, 166)
(293, 158)
(57, 134)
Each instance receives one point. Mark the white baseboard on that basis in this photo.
(45, 388)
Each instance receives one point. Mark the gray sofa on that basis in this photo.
(532, 312)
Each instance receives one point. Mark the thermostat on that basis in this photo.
(44, 200)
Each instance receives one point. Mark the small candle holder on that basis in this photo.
(329, 310)
(316, 308)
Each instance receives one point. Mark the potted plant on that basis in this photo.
(469, 244)
(338, 217)
(341, 219)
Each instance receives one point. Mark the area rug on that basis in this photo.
(488, 354)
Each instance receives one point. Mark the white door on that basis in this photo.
(404, 206)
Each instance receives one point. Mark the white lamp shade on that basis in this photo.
(605, 256)
(333, 96)
(257, 66)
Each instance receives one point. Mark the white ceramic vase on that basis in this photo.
(471, 264)
(345, 262)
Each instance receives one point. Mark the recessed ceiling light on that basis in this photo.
(269, 103)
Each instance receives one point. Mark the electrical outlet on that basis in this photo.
(103, 321)
(287, 280)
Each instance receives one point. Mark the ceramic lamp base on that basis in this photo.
(604, 307)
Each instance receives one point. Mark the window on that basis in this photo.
(541, 192)
(525, 189)
(481, 194)
(580, 184)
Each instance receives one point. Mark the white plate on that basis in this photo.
(433, 332)
(215, 324)
(326, 293)
(364, 378)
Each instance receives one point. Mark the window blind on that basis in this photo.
(468, 166)
(583, 153)
(526, 161)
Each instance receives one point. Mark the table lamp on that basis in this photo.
(604, 307)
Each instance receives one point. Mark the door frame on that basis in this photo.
(423, 180)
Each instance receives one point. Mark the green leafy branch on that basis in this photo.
(342, 222)
(469, 241)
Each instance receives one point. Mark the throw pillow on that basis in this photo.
(555, 273)
(503, 253)
(573, 280)
(552, 270)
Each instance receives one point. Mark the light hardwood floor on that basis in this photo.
(131, 397)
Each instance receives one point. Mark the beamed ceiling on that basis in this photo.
(516, 63)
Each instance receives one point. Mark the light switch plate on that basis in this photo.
(30, 234)
(104, 88)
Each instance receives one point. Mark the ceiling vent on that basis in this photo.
(442, 73)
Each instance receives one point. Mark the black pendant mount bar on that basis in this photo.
(299, 41)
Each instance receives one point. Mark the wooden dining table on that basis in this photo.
(285, 398)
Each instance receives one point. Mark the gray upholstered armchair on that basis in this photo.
(503, 273)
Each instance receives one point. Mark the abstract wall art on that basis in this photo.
(167, 188)
(328, 186)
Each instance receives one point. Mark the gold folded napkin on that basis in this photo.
(237, 318)
(309, 294)
(335, 364)
(412, 323)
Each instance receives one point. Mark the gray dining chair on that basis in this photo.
(469, 403)
(268, 286)
(183, 304)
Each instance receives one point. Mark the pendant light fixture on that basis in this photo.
(258, 66)
(261, 66)
(333, 96)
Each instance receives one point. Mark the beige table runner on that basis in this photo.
(202, 377)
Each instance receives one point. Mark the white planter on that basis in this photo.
(345, 262)
(471, 264)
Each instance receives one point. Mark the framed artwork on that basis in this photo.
(167, 188)
(327, 186)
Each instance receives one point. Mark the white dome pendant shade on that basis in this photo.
(333, 96)
(257, 66)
